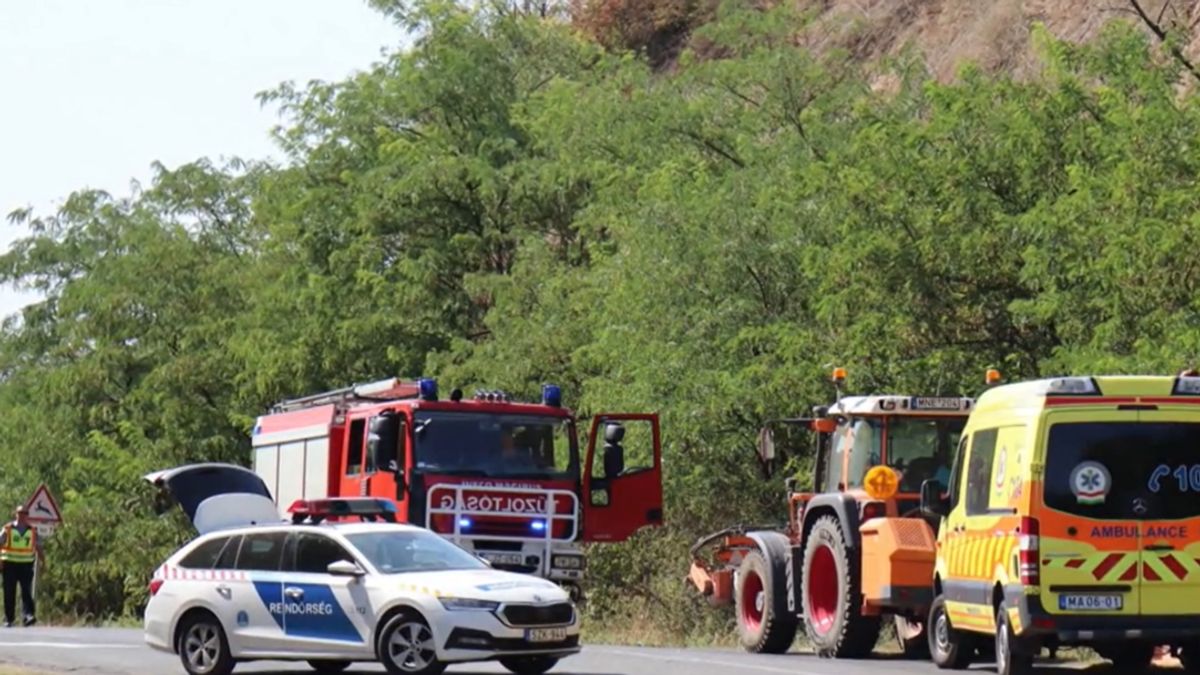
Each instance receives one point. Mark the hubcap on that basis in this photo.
(1001, 647)
(823, 590)
(201, 647)
(753, 601)
(942, 631)
(411, 647)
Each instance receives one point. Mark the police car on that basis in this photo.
(253, 586)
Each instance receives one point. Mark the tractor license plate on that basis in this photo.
(546, 634)
(504, 558)
(1091, 603)
(934, 403)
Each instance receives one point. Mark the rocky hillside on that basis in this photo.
(947, 33)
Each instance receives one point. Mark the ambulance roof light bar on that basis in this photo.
(366, 508)
(389, 389)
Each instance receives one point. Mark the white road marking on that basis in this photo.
(709, 662)
(4, 644)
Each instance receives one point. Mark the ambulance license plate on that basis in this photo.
(1091, 603)
(545, 634)
(504, 558)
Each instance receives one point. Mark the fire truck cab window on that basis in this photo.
(515, 446)
(354, 448)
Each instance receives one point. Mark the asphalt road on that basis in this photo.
(122, 652)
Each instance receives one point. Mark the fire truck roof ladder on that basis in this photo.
(384, 390)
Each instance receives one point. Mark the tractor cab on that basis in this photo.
(876, 447)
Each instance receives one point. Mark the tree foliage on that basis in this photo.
(508, 203)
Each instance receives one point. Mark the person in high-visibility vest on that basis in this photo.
(20, 551)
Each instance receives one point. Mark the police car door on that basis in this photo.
(324, 614)
(256, 590)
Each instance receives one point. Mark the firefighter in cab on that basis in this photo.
(20, 550)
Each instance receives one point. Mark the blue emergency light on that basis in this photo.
(428, 388)
(538, 526)
(551, 395)
(464, 523)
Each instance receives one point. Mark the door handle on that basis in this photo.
(1160, 547)
(293, 593)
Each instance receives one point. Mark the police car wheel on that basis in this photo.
(406, 647)
(203, 648)
(529, 665)
(329, 667)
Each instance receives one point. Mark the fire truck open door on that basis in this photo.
(622, 477)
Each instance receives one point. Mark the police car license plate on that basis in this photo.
(1091, 603)
(546, 634)
(504, 558)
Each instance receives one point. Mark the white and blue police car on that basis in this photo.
(252, 586)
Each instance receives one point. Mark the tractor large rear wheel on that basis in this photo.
(763, 622)
(832, 595)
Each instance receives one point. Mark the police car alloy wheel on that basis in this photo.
(406, 647)
(203, 648)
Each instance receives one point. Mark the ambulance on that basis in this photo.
(1072, 517)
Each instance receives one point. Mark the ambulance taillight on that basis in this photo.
(1028, 551)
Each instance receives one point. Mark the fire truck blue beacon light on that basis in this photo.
(551, 395)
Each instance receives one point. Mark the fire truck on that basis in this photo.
(506, 480)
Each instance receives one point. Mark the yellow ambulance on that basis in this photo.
(1072, 517)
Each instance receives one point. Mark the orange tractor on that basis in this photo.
(856, 549)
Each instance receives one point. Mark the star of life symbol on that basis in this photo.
(1090, 482)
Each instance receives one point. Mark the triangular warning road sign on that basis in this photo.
(41, 507)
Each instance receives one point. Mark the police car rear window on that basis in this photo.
(1124, 470)
(204, 556)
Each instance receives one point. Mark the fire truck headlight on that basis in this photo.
(469, 605)
(568, 562)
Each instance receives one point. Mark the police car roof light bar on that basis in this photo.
(366, 508)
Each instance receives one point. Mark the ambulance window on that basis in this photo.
(979, 471)
(960, 456)
(204, 556)
(262, 551)
(354, 451)
(1124, 470)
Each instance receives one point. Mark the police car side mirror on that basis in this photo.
(345, 568)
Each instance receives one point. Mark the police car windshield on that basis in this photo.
(400, 552)
(1124, 470)
(511, 446)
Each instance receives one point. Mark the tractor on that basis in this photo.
(857, 549)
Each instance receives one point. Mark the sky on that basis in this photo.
(92, 92)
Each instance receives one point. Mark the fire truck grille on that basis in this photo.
(530, 615)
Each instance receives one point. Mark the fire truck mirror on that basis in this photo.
(383, 441)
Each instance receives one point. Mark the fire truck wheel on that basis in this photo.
(406, 646)
(529, 665)
(832, 597)
(950, 649)
(763, 623)
(910, 635)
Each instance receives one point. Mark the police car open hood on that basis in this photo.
(484, 584)
(215, 496)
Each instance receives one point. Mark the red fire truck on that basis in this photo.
(503, 479)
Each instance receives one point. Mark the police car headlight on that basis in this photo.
(568, 562)
(468, 605)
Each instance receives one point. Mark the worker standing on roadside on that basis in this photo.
(20, 550)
